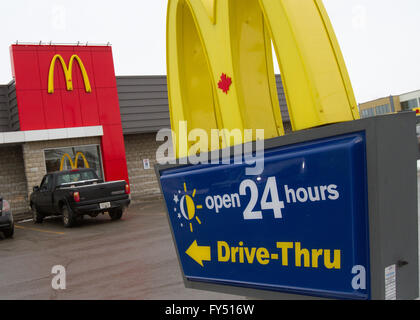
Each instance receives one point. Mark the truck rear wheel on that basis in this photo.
(116, 214)
(68, 217)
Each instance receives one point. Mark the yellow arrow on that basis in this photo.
(199, 254)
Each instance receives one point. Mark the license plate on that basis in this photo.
(105, 205)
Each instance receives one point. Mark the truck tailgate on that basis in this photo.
(107, 191)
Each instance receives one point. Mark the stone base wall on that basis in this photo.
(143, 182)
(12, 179)
(23, 167)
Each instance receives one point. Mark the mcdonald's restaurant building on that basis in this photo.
(65, 109)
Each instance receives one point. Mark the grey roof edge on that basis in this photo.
(134, 100)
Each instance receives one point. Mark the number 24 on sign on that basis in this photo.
(270, 190)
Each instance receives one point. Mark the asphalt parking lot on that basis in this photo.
(129, 259)
(133, 258)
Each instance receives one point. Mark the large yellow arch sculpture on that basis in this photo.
(221, 74)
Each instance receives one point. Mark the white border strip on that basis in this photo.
(50, 134)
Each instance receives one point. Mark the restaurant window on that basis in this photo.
(384, 109)
(69, 158)
(409, 105)
(367, 113)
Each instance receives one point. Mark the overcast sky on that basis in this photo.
(380, 39)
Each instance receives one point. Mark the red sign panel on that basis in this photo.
(71, 86)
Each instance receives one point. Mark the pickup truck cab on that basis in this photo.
(76, 193)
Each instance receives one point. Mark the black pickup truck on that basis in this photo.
(76, 193)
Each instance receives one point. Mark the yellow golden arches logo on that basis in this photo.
(221, 71)
(76, 161)
(68, 73)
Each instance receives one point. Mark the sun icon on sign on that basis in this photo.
(187, 206)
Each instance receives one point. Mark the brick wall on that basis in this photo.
(12, 175)
(143, 183)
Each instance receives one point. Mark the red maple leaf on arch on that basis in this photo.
(225, 83)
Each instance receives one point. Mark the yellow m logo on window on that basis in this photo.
(74, 164)
(221, 73)
(67, 73)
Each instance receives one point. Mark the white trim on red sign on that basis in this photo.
(50, 134)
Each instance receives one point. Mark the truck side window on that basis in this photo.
(46, 183)
(42, 182)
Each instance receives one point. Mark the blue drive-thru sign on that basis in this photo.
(300, 227)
